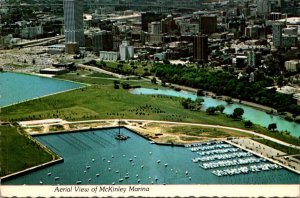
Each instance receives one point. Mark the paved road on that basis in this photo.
(96, 69)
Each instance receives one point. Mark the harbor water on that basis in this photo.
(254, 115)
(17, 87)
(96, 157)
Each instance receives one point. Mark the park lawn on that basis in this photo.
(198, 131)
(18, 152)
(102, 101)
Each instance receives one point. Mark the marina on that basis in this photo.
(236, 162)
(96, 157)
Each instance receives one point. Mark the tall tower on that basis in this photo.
(263, 7)
(201, 48)
(277, 34)
(73, 17)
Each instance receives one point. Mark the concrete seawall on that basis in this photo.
(30, 170)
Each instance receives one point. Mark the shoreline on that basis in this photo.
(210, 94)
(38, 97)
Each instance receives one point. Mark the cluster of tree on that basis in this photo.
(237, 113)
(272, 126)
(213, 110)
(192, 105)
(225, 83)
(248, 124)
(119, 69)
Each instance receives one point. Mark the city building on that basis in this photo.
(126, 51)
(56, 49)
(254, 58)
(208, 24)
(31, 32)
(148, 17)
(200, 50)
(289, 41)
(292, 65)
(109, 55)
(188, 29)
(252, 31)
(155, 27)
(73, 18)
(277, 34)
(101, 40)
(168, 26)
(290, 31)
(159, 56)
(263, 7)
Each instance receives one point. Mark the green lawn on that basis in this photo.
(18, 152)
(102, 101)
(206, 132)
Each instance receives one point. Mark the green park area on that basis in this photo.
(19, 152)
(102, 100)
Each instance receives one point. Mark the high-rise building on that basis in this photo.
(73, 17)
(102, 41)
(208, 24)
(277, 34)
(155, 27)
(148, 17)
(253, 58)
(263, 7)
(200, 48)
(168, 25)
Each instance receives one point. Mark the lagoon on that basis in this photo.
(256, 116)
(96, 157)
(17, 87)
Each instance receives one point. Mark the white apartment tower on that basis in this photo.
(73, 17)
(126, 51)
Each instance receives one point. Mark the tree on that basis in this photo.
(220, 108)
(211, 110)
(272, 126)
(186, 103)
(280, 81)
(192, 105)
(116, 82)
(120, 66)
(248, 124)
(238, 112)
(200, 92)
(228, 100)
(116, 86)
(153, 80)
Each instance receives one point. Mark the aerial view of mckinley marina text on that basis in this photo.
(141, 93)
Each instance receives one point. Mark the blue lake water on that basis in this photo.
(135, 158)
(255, 115)
(16, 87)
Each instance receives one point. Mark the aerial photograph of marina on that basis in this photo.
(129, 94)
